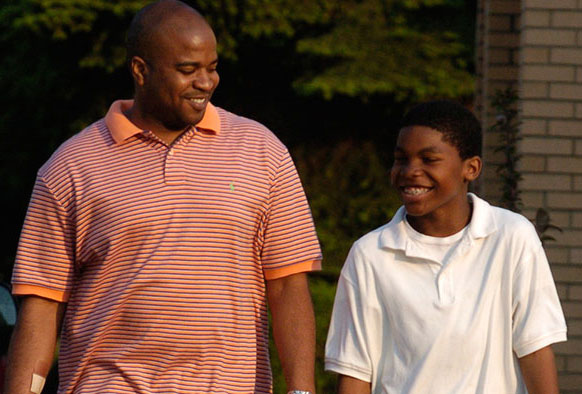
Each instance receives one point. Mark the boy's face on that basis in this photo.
(432, 180)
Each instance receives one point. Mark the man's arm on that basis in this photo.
(539, 371)
(294, 329)
(349, 385)
(33, 342)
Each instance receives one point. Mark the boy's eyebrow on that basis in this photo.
(428, 149)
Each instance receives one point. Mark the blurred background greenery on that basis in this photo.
(330, 77)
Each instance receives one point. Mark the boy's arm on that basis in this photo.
(33, 342)
(349, 385)
(539, 371)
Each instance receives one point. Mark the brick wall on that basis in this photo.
(536, 47)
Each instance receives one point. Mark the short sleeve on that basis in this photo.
(290, 243)
(355, 324)
(538, 320)
(45, 258)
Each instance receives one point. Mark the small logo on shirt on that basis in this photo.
(231, 185)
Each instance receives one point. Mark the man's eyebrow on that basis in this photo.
(195, 64)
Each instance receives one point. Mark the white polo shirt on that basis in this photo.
(410, 323)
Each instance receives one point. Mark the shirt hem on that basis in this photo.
(348, 370)
(55, 295)
(541, 343)
(305, 266)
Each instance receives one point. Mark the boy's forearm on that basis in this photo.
(349, 385)
(33, 343)
(539, 372)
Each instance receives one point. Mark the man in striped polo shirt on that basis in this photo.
(156, 236)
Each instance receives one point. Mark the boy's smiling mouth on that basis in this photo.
(415, 190)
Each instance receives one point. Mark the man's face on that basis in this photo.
(181, 76)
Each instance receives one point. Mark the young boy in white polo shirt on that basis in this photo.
(453, 295)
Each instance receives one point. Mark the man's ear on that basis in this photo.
(473, 166)
(139, 70)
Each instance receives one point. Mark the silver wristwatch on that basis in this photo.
(298, 392)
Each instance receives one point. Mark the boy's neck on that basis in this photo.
(443, 225)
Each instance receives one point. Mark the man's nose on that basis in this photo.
(203, 81)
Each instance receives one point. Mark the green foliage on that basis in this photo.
(349, 191)
(398, 47)
(507, 125)
(354, 47)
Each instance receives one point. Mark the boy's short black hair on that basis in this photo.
(458, 125)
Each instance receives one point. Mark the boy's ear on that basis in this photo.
(473, 166)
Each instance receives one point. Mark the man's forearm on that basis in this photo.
(33, 343)
(294, 330)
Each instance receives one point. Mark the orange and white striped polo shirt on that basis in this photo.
(162, 252)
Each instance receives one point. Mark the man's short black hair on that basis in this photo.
(458, 125)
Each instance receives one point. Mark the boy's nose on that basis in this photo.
(410, 169)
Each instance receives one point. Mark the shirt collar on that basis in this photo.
(393, 235)
(121, 128)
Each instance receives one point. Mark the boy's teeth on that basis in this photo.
(200, 101)
(415, 190)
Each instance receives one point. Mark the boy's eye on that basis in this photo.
(430, 159)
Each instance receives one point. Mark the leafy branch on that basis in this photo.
(507, 125)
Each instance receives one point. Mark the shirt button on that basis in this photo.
(171, 152)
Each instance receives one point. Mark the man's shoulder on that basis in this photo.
(79, 146)
(236, 125)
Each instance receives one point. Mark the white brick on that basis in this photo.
(548, 109)
(572, 165)
(502, 23)
(568, 91)
(555, 146)
(533, 127)
(565, 200)
(556, 254)
(549, 37)
(545, 182)
(566, 56)
(567, 19)
(536, 18)
(532, 199)
(500, 56)
(576, 256)
(550, 4)
(548, 73)
(504, 7)
(534, 90)
(532, 163)
(535, 55)
(566, 127)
